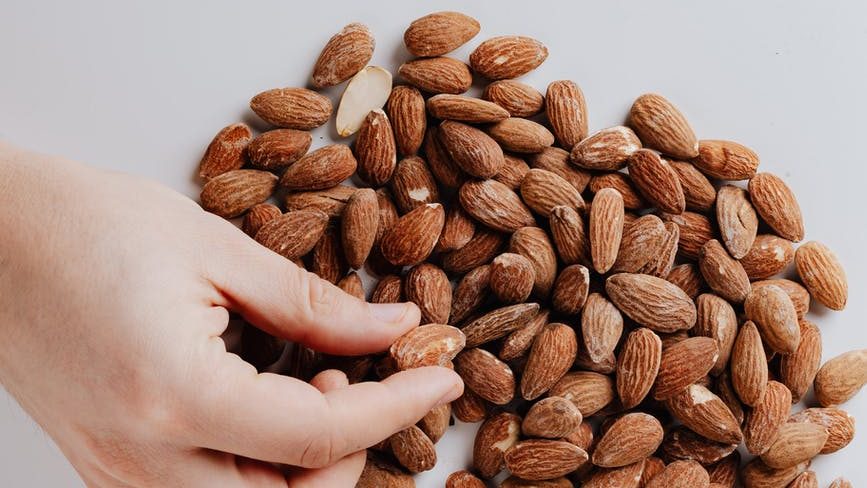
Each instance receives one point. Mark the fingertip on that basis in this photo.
(439, 383)
(404, 315)
(330, 379)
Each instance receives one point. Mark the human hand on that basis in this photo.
(114, 292)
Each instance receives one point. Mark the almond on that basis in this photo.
(331, 201)
(657, 181)
(625, 477)
(486, 375)
(232, 193)
(601, 327)
(439, 33)
(321, 169)
(496, 435)
(695, 231)
(507, 57)
(497, 323)
(841, 378)
(519, 99)
(470, 407)
(606, 228)
(764, 421)
(822, 274)
(716, 319)
(567, 112)
(368, 90)
(796, 443)
(514, 482)
(661, 126)
(471, 149)
(606, 150)
(807, 479)
(380, 474)
(637, 366)
(769, 255)
(446, 171)
(551, 356)
(621, 182)
(725, 276)
(412, 238)
(630, 439)
(757, 474)
(556, 160)
(542, 459)
(570, 289)
(681, 474)
(589, 391)
(259, 215)
(359, 226)
(521, 135)
(840, 483)
(375, 149)
(437, 75)
(552, 418)
(226, 151)
(749, 366)
(278, 148)
(465, 109)
(798, 294)
(705, 413)
(495, 205)
(798, 370)
(412, 184)
(293, 234)
(582, 436)
(774, 314)
(345, 54)
(352, 285)
(512, 277)
(463, 479)
(684, 363)
(533, 244)
(427, 345)
(406, 111)
(543, 190)
(839, 425)
(652, 302)
(737, 220)
(428, 287)
(687, 277)
(387, 212)
(519, 341)
(725, 472)
(699, 193)
(684, 444)
(389, 289)
(570, 238)
(470, 293)
(481, 249)
(458, 229)
(652, 467)
(641, 244)
(777, 205)
(328, 260)
(513, 171)
(292, 108)
(726, 160)
(413, 449)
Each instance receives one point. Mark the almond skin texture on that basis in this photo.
(770, 255)
(757, 474)
(406, 111)
(458, 229)
(278, 148)
(226, 151)
(331, 200)
(427, 345)
(725, 276)
(589, 391)
(567, 112)
(570, 289)
(552, 418)
(496, 435)
(321, 169)
(705, 414)
(606, 150)
(688, 278)
(601, 327)
(682, 364)
(796, 443)
(698, 191)
(507, 57)
(472, 290)
(358, 226)
(606, 228)
(519, 99)
(232, 193)
(412, 184)
(292, 108)
(822, 274)
(798, 370)
(389, 289)
(513, 171)
(777, 205)
(521, 135)
(463, 479)
(519, 341)
(481, 249)
(551, 356)
(695, 231)
(726, 160)
(470, 407)
(352, 285)
(473, 150)
(439, 33)
(446, 171)
(412, 238)
(684, 444)
(375, 149)
(749, 366)
(533, 244)
(543, 190)
(293, 234)
(717, 319)
(428, 287)
(657, 181)
(413, 449)
(495, 205)
(681, 474)
(570, 238)
(486, 375)
(465, 109)
(839, 425)
(512, 277)
(764, 421)
(556, 160)
(652, 302)
(641, 244)
(437, 75)
(344, 55)
(807, 479)
(774, 314)
(630, 439)
(259, 215)
(736, 219)
(637, 366)
(626, 477)
(841, 378)
(661, 126)
(539, 459)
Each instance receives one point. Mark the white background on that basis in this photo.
(142, 87)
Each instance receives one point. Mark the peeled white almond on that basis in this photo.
(367, 90)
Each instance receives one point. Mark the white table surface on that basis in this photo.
(141, 87)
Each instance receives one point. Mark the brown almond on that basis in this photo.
(641, 244)
(657, 181)
(570, 289)
(470, 407)
(497, 323)
(770, 255)
(519, 99)
(705, 414)
(637, 366)
(684, 444)
(717, 319)
(841, 378)
(292, 108)
(606, 228)
(822, 274)
(606, 150)
(437, 75)
(551, 356)
(359, 226)
(259, 215)
(513, 171)
(486, 375)
(507, 57)
(838, 423)
(413, 449)
(807, 479)
(375, 149)
(552, 418)
(777, 205)
(840, 483)
(331, 201)
(533, 244)
(723, 274)
(379, 473)
(413, 185)
(352, 285)
(412, 238)
(796, 443)
(512, 277)
(661, 126)
(601, 327)
(589, 391)
(626, 477)
(542, 459)
(556, 160)
(798, 294)
(344, 55)
(521, 135)
(737, 220)
(320, 169)
(293, 234)
(725, 472)
(621, 182)
(226, 152)
(389, 289)
(543, 190)
(495, 205)
(439, 33)
(775, 316)
(798, 370)
(684, 363)
(387, 212)
(749, 365)
(328, 261)
(446, 171)
(570, 238)
(757, 474)
(688, 278)
(567, 112)
(473, 150)
(764, 421)
(406, 112)
(519, 341)
(652, 302)
(695, 231)
(465, 109)
(278, 148)
(481, 249)
(458, 229)
(427, 286)
(496, 435)
(472, 290)
(427, 345)
(726, 160)
(699, 193)
(681, 474)
(232, 193)
(463, 479)
(630, 439)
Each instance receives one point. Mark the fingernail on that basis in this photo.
(389, 312)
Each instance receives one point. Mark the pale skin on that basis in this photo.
(114, 292)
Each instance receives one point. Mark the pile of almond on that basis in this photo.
(614, 301)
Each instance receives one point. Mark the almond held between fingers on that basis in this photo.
(770, 255)
(413, 449)
(630, 439)
(552, 418)
(726, 160)
(749, 365)
(472, 290)
(570, 238)
(292, 108)
(465, 109)
(320, 169)
(723, 274)
(651, 301)
(570, 289)
(764, 421)
(521, 135)
(496, 435)
(495, 205)
(706, 414)
(838, 423)
(589, 391)
(657, 181)
(841, 378)
(543, 190)
(232, 193)
(737, 220)
(507, 57)
(551, 356)
(606, 228)
(471, 149)
(556, 160)
(439, 33)
(427, 345)
(775, 316)
(822, 274)
(406, 112)
(427, 286)
(499, 322)
(682, 364)
(345, 54)
(798, 370)
(486, 375)
(717, 319)
(519, 99)
(412, 238)
(533, 244)
(661, 126)
(681, 474)
(375, 149)
(542, 459)
(606, 150)
(226, 152)
(437, 75)
(567, 112)
(796, 443)
(637, 366)
(777, 205)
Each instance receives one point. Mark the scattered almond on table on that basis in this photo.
(614, 300)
